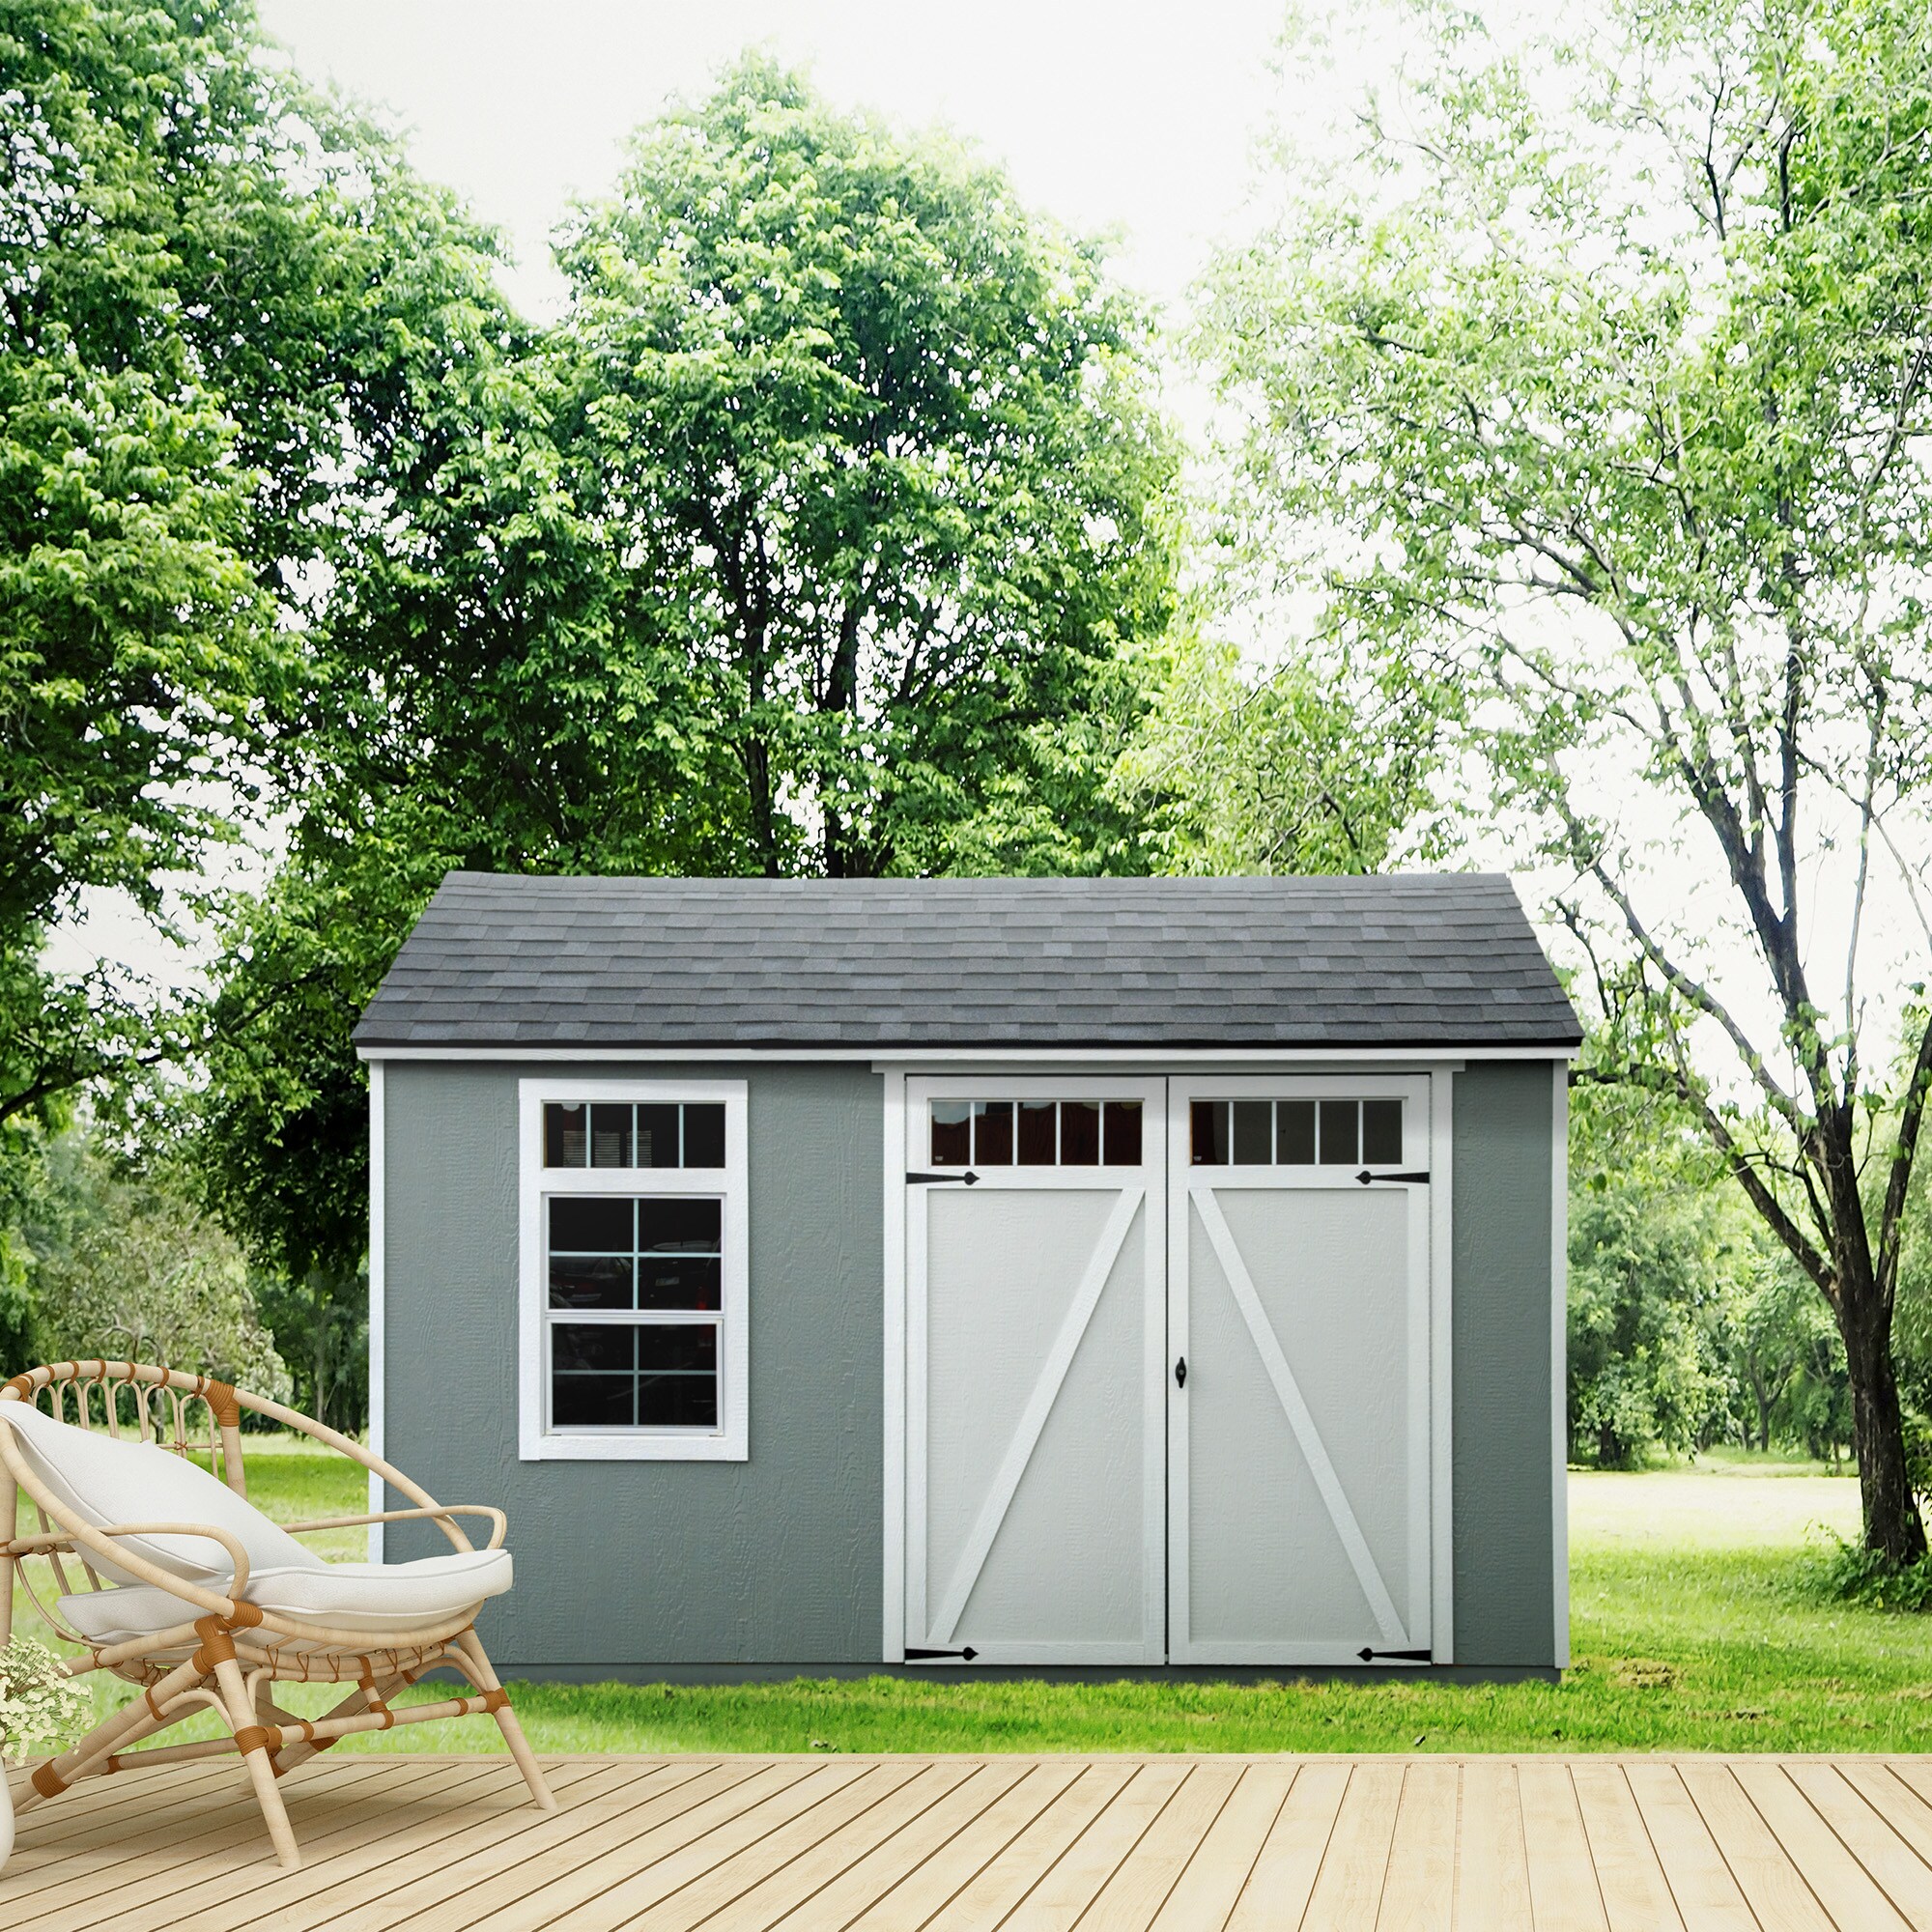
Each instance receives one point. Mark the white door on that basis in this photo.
(1298, 1428)
(1035, 1455)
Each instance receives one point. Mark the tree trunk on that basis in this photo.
(1893, 1529)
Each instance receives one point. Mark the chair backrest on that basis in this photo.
(146, 1405)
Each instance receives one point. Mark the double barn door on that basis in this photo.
(1168, 1349)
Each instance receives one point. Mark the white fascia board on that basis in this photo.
(1434, 1058)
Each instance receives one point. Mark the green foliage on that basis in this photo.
(1659, 1261)
(1294, 769)
(820, 535)
(875, 450)
(1592, 388)
(126, 1265)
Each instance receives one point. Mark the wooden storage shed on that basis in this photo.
(1138, 1274)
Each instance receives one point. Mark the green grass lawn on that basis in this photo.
(1692, 1630)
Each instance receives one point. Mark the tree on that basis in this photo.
(1659, 1271)
(129, 1267)
(135, 634)
(1292, 767)
(878, 450)
(823, 533)
(1595, 384)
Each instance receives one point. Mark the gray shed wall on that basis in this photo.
(778, 1560)
(624, 1563)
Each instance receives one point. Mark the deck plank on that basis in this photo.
(1706, 1896)
(1564, 1894)
(1205, 1895)
(1492, 1863)
(1278, 1887)
(962, 1844)
(234, 1868)
(1143, 1880)
(871, 1876)
(1004, 1881)
(1630, 1880)
(1829, 1869)
(619, 1848)
(1888, 1861)
(758, 1889)
(1419, 1891)
(1075, 1881)
(1348, 1887)
(1893, 1799)
(1774, 1887)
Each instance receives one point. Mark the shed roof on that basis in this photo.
(1403, 960)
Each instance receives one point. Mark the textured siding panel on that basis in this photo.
(880, 964)
(672, 1563)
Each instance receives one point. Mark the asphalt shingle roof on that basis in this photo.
(1405, 961)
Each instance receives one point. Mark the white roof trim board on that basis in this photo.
(1423, 961)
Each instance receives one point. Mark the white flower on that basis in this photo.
(40, 1703)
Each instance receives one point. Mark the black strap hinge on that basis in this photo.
(915, 1179)
(1369, 1656)
(1421, 1179)
(912, 1656)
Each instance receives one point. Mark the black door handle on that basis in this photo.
(1180, 1372)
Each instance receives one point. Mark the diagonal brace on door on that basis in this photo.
(1033, 1418)
(1296, 1407)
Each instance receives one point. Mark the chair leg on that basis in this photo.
(486, 1681)
(240, 1713)
(134, 1721)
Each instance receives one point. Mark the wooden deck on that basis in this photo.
(893, 1844)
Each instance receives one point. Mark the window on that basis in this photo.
(1296, 1133)
(633, 1316)
(1035, 1133)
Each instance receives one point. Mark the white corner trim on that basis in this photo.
(1559, 1325)
(378, 1283)
(536, 1443)
(891, 1621)
(1442, 1366)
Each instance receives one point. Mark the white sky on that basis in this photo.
(1129, 116)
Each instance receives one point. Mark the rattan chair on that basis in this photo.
(203, 1642)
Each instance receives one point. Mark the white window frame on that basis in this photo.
(537, 1443)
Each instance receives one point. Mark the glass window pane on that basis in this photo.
(680, 1281)
(592, 1280)
(1381, 1131)
(1123, 1122)
(657, 1136)
(565, 1143)
(591, 1225)
(1207, 1123)
(579, 1400)
(592, 1348)
(704, 1135)
(1295, 1133)
(1253, 1133)
(1340, 1143)
(1037, 1143)
(609, 1136)
(993, 1133)
(1080, 1134)
(680, 1227)
(677, 1377)
(951, 1133)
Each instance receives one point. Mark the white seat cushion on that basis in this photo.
(373, 1597)
(106, 1481)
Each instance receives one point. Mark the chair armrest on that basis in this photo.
(498, 1519)
(78, 1542)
